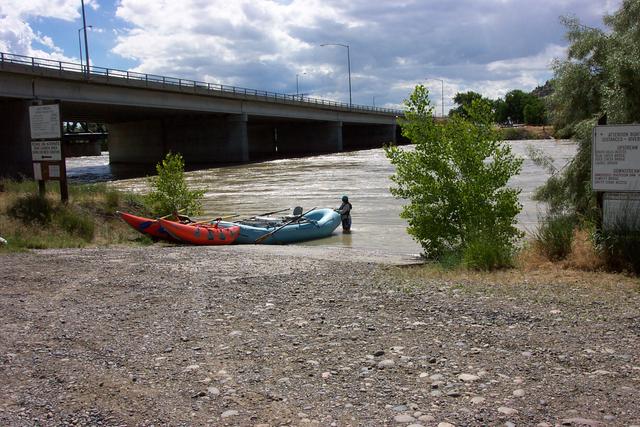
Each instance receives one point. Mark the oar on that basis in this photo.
(171, 214)
(214, 219)
(266, 236)
(271, 213)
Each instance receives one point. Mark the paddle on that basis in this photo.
(214, 219)
(271, 213)
(266, 236)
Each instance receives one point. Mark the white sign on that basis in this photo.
(620, 211)
(616, 158)
(54, 171)
(37, 171)
(45, 121)
(46, 150)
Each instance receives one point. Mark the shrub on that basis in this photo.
(554, 236)
(487, 253)
(76, 223)
(169, 189)
(32, 208)
(620, 243)
(455, 179)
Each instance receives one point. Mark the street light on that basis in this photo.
(80, 44)
(348, 63)
(297, 86)
(86, 44)
(441, 92)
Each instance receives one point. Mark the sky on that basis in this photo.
(488, 46)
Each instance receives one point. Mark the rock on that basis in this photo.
(443, 424)
(436, 393)
(379, 353)
(543, 425)
(213, 391)
(426, 418)
(415, 425)
(507, 411)
(400, 408)
(519, 392)
(436, 377)
(453, 393)
(581, 422)
(509, 424)
(387, 363)
(477, 399)
(468, 377)
(229, 413)
(403, 418)
(326, 375)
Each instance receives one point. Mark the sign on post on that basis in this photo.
(47, 151)
(616, 158)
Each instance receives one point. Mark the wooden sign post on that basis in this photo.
(47, 147)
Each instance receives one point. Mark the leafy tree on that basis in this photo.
(534, 111)
(599, 77)
(169, 189)
(464, 101)
(455, 179)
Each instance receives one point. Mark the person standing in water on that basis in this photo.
(345, 212)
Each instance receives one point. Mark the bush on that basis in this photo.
(76, 223)
(487, 253)
(169, 189)
(455, 179)
(32, 208)
(554, 236)
(621, 243)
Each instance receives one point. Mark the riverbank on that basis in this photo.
(291, 335)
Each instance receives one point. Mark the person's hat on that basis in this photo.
(345, 199)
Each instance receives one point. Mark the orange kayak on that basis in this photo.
(150, 227)
(201, 234)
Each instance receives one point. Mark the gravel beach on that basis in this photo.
(309, 336)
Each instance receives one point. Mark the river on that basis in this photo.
(320, 181)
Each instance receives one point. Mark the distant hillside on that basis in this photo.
(543, 91)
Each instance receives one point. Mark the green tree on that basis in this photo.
(455, 179)
(599, 77)
(169, 190)
(534, 111)
(464, 101)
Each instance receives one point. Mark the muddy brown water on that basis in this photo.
(320, 181)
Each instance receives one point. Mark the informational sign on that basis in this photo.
(45, 121)
(616, 158)
(620, 211)
(46, 150)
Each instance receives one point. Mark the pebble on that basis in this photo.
(403, 418)
(445, 425)
(509, 424)
(543, 425)
(582, 422)
(519, 392)
(387, 363)
(507, 411)
(436, 377)
(379, 353)
(229, 413)
(453, 393)
(477, 399)
(400, 408)
(468, 377)
(415, 425)
(427, 418)
(214, 391)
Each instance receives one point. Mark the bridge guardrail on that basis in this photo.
(151, 80)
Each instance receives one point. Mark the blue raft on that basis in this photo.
(313, 225)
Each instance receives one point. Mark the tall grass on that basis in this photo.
(28, 221)
(554, 236)
(620, 242)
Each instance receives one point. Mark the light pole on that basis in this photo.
(297, 86)
(348, 63)
(86, 44)
(80, 44)
(441, 92)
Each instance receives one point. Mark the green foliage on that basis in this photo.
(464, 101)
(620, 243)
(76, 223)
(455, 178)
(32, 208)
(169, 189)
(600, 76)
(534, 112)
(484, 252)
(555, 236)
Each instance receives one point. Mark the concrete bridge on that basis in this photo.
(149, 115)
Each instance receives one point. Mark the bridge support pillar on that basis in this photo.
(359, 136)
(200, 139)
(301, 138)
(15, 139)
